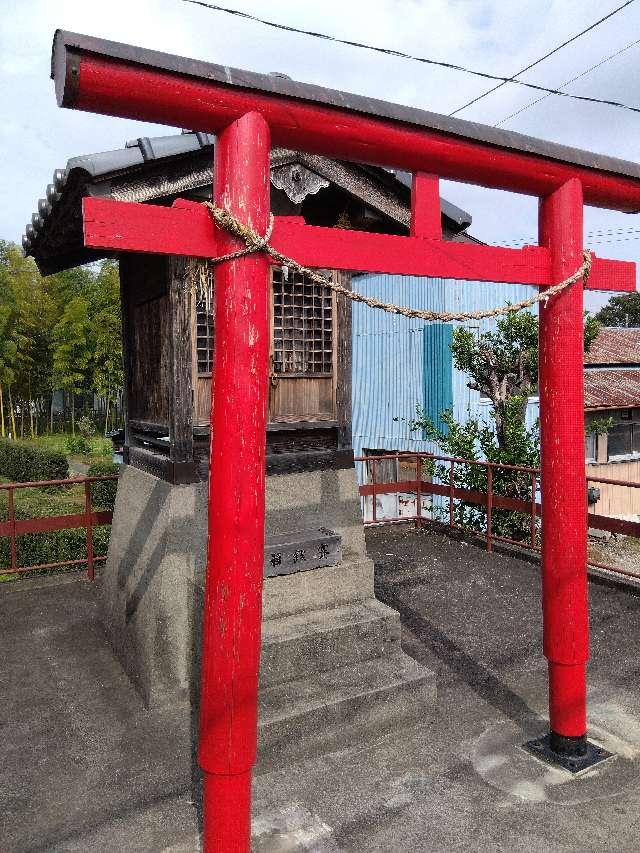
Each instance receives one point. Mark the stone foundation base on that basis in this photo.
(332, 668)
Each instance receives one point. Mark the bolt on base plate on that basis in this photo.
(541, 748)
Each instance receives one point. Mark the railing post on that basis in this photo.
(11, 511)
(534, 482)
(89, 527)
(489, 504)
(374, 516)
(418, 493)
(451, 492)
(564, 498)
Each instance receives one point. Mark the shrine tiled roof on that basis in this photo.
(161, 168)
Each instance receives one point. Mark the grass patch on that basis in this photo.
(97, 448)
(39, 503)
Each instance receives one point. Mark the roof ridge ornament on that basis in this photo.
(297, 181)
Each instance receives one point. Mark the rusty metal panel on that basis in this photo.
(608, 389)
(615, 345)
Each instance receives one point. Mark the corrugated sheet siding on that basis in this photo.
(388, 373)
(437, 395)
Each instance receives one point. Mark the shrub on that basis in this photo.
(22, 462)
(103, 495)
(86, 427)
(101, 446)
(33, 549)
(94, 445)
(476, 440)
(78, 445)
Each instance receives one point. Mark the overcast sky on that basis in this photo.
(495, 36)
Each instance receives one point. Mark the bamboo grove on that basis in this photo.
(60, 346)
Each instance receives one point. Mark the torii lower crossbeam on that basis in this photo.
(186, 228)
(246, 109)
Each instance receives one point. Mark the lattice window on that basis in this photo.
(204, 322)
(302, 325)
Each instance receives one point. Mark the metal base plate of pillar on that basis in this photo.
(541, 748)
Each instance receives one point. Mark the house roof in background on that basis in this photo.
(615, 345)
(612, 389)
(164, 167)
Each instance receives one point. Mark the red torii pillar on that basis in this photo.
(562, 479)
(120, 80)
(231, 627)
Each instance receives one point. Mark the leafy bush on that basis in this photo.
(22, 462)
(101, 446)
(86, 427)
(58, 546)
(78, 445)
(81, 445)
(475, 440)
(55, 546)
(103, 495)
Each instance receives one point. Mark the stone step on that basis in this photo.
(334, 709)
(297, 646)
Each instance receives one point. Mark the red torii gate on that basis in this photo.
(249, 112)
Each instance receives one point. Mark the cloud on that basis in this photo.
(489, 35)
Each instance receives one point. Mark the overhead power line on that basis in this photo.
(546, 56)
(594, 240)
(568, 82)
(401, 55)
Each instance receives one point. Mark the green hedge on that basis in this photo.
(103, 495)
(24, 463)
(58, 546)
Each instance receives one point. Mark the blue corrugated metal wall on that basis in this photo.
(437, 375)
(389, 376)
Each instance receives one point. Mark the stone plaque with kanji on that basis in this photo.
(300, 551)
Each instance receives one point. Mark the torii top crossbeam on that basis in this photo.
(249, 112)
(121, 80)
(107, 77)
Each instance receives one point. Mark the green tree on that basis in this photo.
(621, 310)
(503, 365)
(72, 350)
(33, 324)
(56, 332)
(9, 339)
(477, 441)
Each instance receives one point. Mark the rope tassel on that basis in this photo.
(255, 243)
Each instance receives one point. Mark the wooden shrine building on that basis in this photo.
(168, 330)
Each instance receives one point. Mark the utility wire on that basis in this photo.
(400, 54)
(546, 56)
(568, 82)
(516, 244)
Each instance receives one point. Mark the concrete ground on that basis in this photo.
(86, 768)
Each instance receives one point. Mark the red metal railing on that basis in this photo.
(14, 527)
(490, 500)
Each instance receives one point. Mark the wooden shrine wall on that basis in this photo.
(146, 324)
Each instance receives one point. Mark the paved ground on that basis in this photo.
(86, 768)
